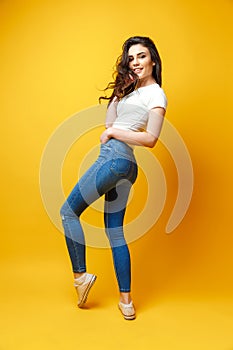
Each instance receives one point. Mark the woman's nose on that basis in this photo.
(135, 61)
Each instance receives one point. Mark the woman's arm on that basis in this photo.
(111, 113)
(146, 138)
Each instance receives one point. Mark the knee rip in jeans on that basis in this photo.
(68, 216)
(66, 211)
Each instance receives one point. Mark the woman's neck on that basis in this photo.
(146, 82)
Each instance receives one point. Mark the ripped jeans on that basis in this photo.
(112, 174)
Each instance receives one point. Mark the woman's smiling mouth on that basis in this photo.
(137, 70)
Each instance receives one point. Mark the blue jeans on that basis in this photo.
(112, 174)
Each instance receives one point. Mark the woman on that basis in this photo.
(134, 116)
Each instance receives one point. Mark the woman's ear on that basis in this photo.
(153, 63)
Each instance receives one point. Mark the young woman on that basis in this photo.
(134, 116)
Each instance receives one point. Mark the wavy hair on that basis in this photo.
(125, 80)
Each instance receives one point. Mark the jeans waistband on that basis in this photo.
(120, 146)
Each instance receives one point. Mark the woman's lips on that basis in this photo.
(137, 70)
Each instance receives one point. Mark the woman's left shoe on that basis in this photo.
(127, 310)
(83, 285)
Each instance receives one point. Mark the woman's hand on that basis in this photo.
(147, 138)
(106, 135)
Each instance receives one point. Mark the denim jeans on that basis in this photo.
(112, 175)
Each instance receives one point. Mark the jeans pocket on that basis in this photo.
(120, 167)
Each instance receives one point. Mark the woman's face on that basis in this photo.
(140, 62)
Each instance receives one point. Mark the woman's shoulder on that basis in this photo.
(154, 95)
(145, 96)
(152, 89)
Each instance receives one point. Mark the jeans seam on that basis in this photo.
(73, 245)
(82, 185)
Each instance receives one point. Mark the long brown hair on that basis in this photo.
(125, 80)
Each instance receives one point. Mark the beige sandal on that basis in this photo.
(127, 310)
(83, 285)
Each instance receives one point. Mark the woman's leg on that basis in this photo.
(74, 236)
(94, 183)
(105, 174)
(97, 181)
(115, 205)
(84, 193)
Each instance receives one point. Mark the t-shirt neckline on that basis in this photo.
(141, 87)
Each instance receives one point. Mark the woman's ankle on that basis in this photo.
(125, 297)
(78, 274)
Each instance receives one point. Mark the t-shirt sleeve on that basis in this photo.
(157, 99)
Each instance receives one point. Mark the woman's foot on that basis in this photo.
(127, 310)
(83, 285)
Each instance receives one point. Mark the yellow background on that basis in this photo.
(55, 56)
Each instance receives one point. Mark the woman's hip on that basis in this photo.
(118, 149)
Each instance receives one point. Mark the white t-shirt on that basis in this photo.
(132, 110)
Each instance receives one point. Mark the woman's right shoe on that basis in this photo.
(83, 285)
(127, 310)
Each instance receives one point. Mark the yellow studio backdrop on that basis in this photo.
(55, 58)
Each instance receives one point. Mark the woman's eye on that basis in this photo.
(139, 56)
